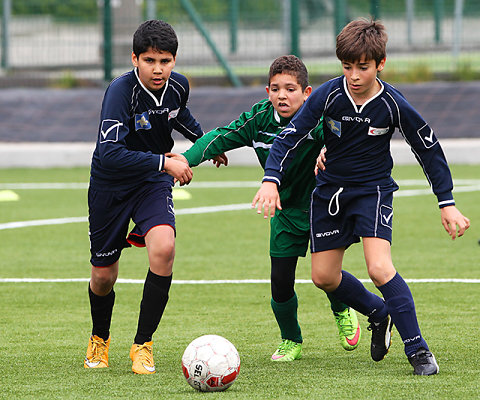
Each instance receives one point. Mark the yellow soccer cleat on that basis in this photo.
(97, 353)
(142, 357)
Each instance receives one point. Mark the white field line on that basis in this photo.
(472, 185)
(42, 222)
(217, 282)
(205, 185)
(182, 211)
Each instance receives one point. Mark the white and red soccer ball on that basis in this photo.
(210, 363)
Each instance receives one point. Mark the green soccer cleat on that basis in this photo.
(349, 330)
(288, 350)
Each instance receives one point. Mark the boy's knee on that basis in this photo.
(161, 258)
(160, 243)
(381, 273)
(102, 280)
(164, 251)
(324, 281)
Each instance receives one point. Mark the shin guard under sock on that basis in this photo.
(352, 292)
(101, 308)
(401, 307)
(286, 316)
(154, 301)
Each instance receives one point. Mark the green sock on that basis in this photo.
(286, 316)
(335, 304)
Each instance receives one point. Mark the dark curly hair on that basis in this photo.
(155, 34)
(289, 65)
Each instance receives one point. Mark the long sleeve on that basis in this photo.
(238, 133)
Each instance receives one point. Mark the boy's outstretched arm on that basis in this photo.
(268, 198)
(451, 218)
(221, 159)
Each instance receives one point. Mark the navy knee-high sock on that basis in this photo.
(400, 306)
(154, 301)
(101, 308)
(352, 292)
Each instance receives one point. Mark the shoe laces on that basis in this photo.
(145, 354)
(98, 348)
(285, 346)
(344, 322)
(422, 356)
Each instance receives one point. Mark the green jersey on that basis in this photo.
(258, 128)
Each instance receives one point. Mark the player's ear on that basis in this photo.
(134, 60)
(381, 65)
(267, 88)
(307, 92)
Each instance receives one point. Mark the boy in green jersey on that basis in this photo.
(290, 228)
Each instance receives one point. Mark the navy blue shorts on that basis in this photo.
(110, 213)
(340, 216)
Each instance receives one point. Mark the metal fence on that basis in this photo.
(85, 42)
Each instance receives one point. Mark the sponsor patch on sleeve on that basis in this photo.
(426, 136)
(109, 130)
(173, 113)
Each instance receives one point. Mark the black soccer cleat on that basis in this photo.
(381, 338)
(423, 362)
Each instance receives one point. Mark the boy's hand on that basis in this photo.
(268, 198)
(179, 170)
(451, 218)
(177, 156)
(321, 159)
(221, 159)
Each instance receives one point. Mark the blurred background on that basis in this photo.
(231, 42)
(57, 56)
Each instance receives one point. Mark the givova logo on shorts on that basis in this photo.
(328, 233)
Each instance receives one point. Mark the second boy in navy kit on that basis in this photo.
(354, 194)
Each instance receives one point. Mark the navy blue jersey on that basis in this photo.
(136, 130)
(358, 139)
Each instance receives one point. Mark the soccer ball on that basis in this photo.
(210, 363)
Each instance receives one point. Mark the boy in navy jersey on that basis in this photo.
(289, 232)
(354, 193)
(132, 179)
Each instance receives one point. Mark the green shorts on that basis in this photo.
(289, 233)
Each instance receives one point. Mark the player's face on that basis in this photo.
(154, 67)
(286, 94)
(362, 79)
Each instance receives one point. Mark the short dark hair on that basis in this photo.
(289, 65)
(155, 34)
(362, 38)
